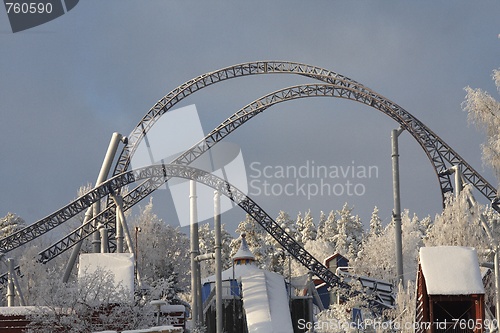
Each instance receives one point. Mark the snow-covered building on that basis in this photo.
(450, 292)
(255, 300)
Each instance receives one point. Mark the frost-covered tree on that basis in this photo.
(309, 230)
(278, 259)
(377, 257)
(350, 233)
(163, 250)
(321, 224)
(207, 245)
(91, 304)
(256, 239)
(329, 230)
(375, 223)
(339, 316)
(484, 111)
(10, 224)
(458, 224)
(403, 314)
(299, 227)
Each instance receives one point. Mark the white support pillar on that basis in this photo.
(104, 238)
(195, 251)
(120, 222)
(218, 264)
(103, 174)
(11, 294)
(397, 203)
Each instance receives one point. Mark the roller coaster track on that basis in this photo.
(159, 174)
(438, 152)
(224, 129)
(436, 149)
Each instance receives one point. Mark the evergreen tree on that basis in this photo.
(350, 233)
(10, 224)
(256, 239)
(375, 223)
(299, 227)
(278, 260)
(329, 230)
(207, 245)
(321, 224)
(377, 257)
(309, 231)
(163, 250)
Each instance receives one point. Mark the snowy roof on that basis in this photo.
(451, 270)
(244, 252)
(265, 301)
(20, 310)
(156, 329)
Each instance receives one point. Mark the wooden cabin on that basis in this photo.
(450, 291)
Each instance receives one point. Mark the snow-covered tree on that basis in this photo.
(458, 225)
(91, 304)
(339, 316)
(350, 233)
(162, 250)
(377, 257)
(329, 229)
(286, 223)
(278, 260)
(484, 111)
(299, 227)
(321, 224)
(375, 223)
(10, 224)
(256, 239)
(403, 314)
(207, 245)
(309, 230)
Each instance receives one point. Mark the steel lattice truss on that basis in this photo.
(219, 133)
(436, 149)
(159, 174)
(439, 153)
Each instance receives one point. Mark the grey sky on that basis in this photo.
(67, 85)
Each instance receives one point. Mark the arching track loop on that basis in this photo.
(438, 152)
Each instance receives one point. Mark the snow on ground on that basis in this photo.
(266, 303)
(451, 270)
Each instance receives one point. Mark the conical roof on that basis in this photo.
(244, 252)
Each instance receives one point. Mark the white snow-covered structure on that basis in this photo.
(450, 292)
(255, 300)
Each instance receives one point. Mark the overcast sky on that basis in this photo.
(67, 85)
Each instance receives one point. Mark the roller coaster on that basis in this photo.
(331, 84)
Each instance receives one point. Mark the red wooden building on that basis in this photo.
(450, 292)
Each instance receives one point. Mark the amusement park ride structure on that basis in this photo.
(441, 156)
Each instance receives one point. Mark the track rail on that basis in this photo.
(159, 174)
(439, 153)
(435, 148)
(230, 125)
